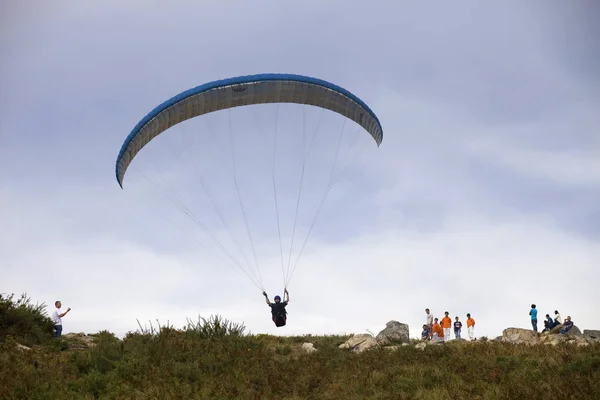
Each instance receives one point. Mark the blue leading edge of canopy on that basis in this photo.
(233, 81)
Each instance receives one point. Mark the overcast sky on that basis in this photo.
(484, 196)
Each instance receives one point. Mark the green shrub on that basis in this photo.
(28, 323)
(213, 327)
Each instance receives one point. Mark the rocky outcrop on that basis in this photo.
(529, 337)
(79, 341)
(359, 343)
(519, 335)
(592, 334)
(574, 330)
(394, 333)
(552, 339)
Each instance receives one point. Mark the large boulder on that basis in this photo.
(519, 335)
(394, 333)
(359, 343)
(574, 330)
(556, 329)
(552, 339)
(593, 334)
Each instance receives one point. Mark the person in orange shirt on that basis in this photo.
(438, 333)
(446, 324)
(470, 327)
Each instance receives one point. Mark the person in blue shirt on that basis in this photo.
(567, 325)
(548, 323)
(457, 328)
(425, 335)
(533, 313)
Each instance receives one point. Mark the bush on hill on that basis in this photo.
(26, 322)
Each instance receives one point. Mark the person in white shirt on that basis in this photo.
(557, 318)
(57, 318)
(429, 321)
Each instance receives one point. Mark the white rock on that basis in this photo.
(308, 347)
(359, 343)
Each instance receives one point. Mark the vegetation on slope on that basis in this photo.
(23, 320)
(214, 359)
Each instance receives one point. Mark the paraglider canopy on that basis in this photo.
(271, 90)
(241, 91)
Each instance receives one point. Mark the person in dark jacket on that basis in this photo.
(548, 323)
(278, 312)
(567, 325)
(457, 328)
(426, 334)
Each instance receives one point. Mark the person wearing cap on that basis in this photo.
(278, 312)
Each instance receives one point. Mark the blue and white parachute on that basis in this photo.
(244, 91)
(240, 91)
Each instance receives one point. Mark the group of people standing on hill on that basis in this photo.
(436, 330)
(550, 323)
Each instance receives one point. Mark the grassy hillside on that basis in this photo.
(214, 359)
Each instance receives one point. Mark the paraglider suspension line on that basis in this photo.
(275, 190)
(241, 202)
(328, 189)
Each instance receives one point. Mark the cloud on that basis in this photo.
(566, 168)
(483, 197)
(491, 268)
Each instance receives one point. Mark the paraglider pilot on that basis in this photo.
(278, 311)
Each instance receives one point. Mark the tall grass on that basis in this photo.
(213, 358)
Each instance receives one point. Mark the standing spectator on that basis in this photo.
(437, 331)
(429, 321)
(457, 327)
(446, 324)
(470, 327)
(57, 318)
(533, 313)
